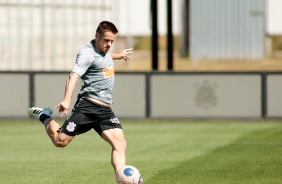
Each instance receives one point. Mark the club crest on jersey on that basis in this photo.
(71, 126)
(108, 72)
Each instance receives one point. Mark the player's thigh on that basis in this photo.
(115, 137)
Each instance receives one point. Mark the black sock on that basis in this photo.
(44, 117)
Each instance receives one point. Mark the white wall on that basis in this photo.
(274, 17)
(133, 16)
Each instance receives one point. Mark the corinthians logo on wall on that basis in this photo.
(205, 96)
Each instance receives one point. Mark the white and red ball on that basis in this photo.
(128, 175)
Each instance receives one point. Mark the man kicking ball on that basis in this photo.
(95, 67)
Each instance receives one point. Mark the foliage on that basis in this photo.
(276, 43)
(144, 43)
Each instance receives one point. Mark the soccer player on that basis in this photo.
(94, 66)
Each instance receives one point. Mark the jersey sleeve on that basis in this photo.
(83, 61)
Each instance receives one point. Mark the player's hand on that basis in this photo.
(125, 54)
(64, 106)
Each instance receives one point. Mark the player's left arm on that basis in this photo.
(124, 54)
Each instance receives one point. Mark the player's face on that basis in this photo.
(104, 42)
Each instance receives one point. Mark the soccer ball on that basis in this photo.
(128, 175)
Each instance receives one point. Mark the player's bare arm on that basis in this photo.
(70, 85)
(124, 54)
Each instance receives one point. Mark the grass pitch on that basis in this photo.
(165, 152)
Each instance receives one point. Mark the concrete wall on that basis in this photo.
(14, 94)
(274, 92)
(156, 95)
(205, 96)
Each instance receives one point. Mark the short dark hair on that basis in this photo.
(105, 26)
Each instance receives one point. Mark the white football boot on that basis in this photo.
(37, 111)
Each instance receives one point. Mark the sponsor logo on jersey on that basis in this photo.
(105, 94)
(108, 72)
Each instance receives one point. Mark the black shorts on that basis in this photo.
(87, 115)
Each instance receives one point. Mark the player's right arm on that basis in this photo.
(64, 106)
(84, 59)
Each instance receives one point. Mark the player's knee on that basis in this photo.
(60, 144)
(62, 140)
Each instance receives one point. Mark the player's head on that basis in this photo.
(105, 36)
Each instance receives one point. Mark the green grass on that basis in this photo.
(165, 152)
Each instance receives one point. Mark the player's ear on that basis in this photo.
(97, 35)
